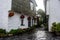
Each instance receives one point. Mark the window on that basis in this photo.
(22, 20)
(29, 21)
(31, 5)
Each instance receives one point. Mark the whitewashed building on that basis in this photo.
(53, 9)
(16, 14)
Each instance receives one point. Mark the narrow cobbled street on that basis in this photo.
(39, 34)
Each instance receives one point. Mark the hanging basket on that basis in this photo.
(29, 18)
(11, 13)
(22, 16)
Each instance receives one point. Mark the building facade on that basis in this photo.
(53, 9)
(17, 14)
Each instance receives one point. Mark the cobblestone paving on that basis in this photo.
(41, 34)
(38, 35)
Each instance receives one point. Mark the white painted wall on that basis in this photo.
(15, 22)
(54, 11)
(9, 23)
(5, 6)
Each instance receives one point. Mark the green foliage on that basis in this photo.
(58, 27)
(13, 31)
(16, 31)
(55, 27)
(41, 12)
(2, 31)
(54, 24)
(43, 16)
(21, 31)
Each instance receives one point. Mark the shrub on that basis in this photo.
(13, 31)
(54, 24)
(2, 31)
(20, 31)
(55, 27)
(17, 31)
(58, 27)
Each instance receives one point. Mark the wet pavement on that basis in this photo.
(39, 34)
(45, 35)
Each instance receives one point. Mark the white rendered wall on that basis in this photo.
(9, 23)
(54, 12)
(15, 22)
(5, 6)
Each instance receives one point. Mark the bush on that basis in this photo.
(54, 24)
(58, 27)
(21, 31)
(13, 31)
(2, 31)
(55, 27)
(17, 31)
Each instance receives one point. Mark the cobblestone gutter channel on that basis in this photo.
(38, 35)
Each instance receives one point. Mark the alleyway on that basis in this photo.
(39, 34)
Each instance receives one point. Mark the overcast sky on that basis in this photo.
(40, 4)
